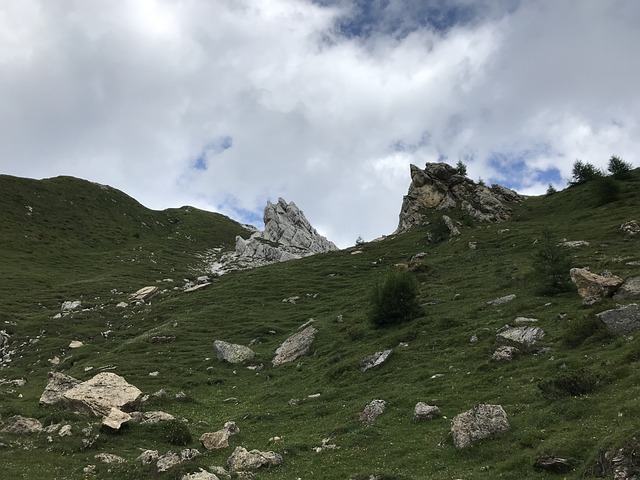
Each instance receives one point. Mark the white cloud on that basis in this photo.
(134, 93)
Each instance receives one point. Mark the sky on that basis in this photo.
(226, 104)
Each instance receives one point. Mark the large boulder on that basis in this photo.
(482, 421)
(22, 425)
(243, 459)
(623, 320)
(100, 394)
(372, 411)
(232, 353)
(629, 290)
(295, 346)
(424, 411)
(441, 187)
(58, 384)
(592, 287)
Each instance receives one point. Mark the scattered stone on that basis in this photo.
(424, 411)
(372, 411)
(144, 294)
(473, 339)
(98, 395)
(482, 421)
(220, 471)
(201, 475)
(631, 228)
(554, 464)
(122, 305)
(473, 245)
(574, 243)
(375, 360)
(115, 419)
(623, 320)
(196, 287)
(90, 469)
(523, 337)
(57, 385)
(109, 458)
(65, 431)
(453, 230)
(592, 287)
(505, 353)
(219, 439)
(148, 457)
(232, 353)
(154, 374)
(76, 344)
(292, 300)
(296, 346)
(22, 425)
(5, 354)
(171, 459)
(55, 360)
(339, 319)
(629, 290)
(156, 417)
(242, 459)
(70, 305)
(501, 300)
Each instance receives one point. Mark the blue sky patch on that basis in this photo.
(215, 147)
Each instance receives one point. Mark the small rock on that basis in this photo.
(592, 287)
(242, 459)
(629, 290)
(22, 425)
(501, 300)
(109, 458)
(115, 419)
(523, 337)
(295, 346)
(154, 374)
(232, 353)
(76, 344)
(553, 464)
(375, 360)
(70, 305)
(65, 431)
(473, 339)
(524, 320)
(170, 459)
(372, 411)
(148, 457)
(424, 411)
(505, 353)
(144, 294)
(482, 421)
(631, 228)
(122, 305)
(201, 475)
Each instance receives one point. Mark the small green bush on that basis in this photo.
(395, 300)
(174, 432)
(552, 264)
(607, 190)
(439, 231)
(571, 384)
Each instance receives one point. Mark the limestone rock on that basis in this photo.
(5, 355)
(65, 431)
(156, 417)
(505, 353)
(219, 439)
(201, 475)
(496, 302)
(148, 457)
(98, 395)
(115, 419)
(630, 228)
(482, 421)
(171, 459)
(242, 459)
(70, 305)
(440, 187)
(424, 411)
(372, 411)
(453, 230)
(592, 286)
(22, 425)
(375, 360)
(523, 337)
(574, 243)
(295, 346)
(552, 463)
(57, 385)
(232, 353)
(76, 344)
(109, 458)
(629, 290)
(144, 294)
(623, 320)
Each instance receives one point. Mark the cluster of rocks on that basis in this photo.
(441, 187)
(593, 287)
(5, 352)
(287, 235)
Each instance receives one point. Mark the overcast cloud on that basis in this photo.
(225, 104)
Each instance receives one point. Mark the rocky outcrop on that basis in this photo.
(482, 421)
(592, 287)
(243, 459)
(100, 394)
(232, 353)
(21, 425)
(440, 187)
(623, 320)
(58, 384)
(295, 346)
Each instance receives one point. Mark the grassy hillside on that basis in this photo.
(82, 241)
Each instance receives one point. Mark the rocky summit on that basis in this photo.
(442, 187)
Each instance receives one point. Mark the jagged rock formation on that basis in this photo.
(287, 235)
(440, 187)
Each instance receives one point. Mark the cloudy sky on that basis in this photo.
(225, 104)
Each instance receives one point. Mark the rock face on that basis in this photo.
(98, 395)
(58, 384)
(287, 235)
(622, 320)
(242, 459)
(482, 421)
(232, 353)
(592, 287)
(629, 290)
(440, 187)
(295, 346)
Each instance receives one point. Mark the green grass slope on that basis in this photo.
(433, 361)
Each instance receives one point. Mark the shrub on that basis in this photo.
(551, 190)
(552, 263)
(586, 328)
(439, 231)
(607, 190)
(461, 168)
(619, 168)
(571, 384)
(174, 432)
(583, 173)
(395, 299)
